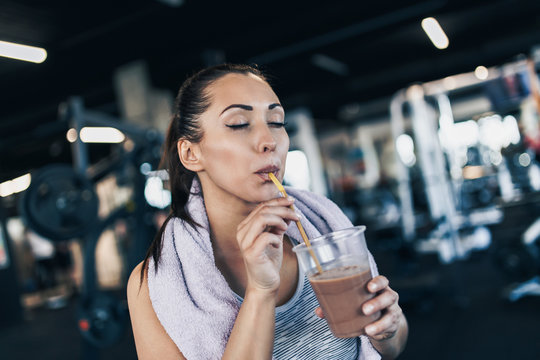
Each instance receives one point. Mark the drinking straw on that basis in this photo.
(298, 224)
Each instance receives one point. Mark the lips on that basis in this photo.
(263, 173)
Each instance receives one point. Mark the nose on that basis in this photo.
(265, 139)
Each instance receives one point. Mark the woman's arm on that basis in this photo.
(253, 331)
(390, 348)
(151, 340)
(252, 336)
(260, 238)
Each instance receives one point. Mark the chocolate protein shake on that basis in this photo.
(341, 293)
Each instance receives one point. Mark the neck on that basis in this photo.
(225, 213)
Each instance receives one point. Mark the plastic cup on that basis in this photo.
(341, 288)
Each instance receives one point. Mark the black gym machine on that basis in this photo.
(61, 204)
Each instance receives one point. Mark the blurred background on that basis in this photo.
(420, 119)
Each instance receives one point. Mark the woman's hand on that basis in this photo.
(260, 237)
(389, 333)
(385, 301)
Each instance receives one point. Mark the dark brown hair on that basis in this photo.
(192, 100)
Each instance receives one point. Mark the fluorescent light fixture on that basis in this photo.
(14, 186)
(481, 72)
(435, 33)
(108, 135)
(22, 52)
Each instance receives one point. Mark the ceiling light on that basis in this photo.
(481, 72)
(101, 135)
(22, 52)
(435, 33)
(97, 135)
(14, 186)
(71, 135)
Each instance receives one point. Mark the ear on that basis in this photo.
(189, 155)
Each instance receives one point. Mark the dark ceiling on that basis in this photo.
(379, 47)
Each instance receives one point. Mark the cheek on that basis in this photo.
(283, 145)
(222, 154)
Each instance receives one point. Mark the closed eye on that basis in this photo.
(278, 124)
(237, 126)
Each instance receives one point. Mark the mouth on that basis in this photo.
(263, 173)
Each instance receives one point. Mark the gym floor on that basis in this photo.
(455, 311)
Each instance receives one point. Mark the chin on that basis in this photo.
(264, 193)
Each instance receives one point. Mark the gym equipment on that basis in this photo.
(62, 204)
(11, 311)
(102, 319)
(522, 261)
(470, 169)
(59, 203)
(451, 224)
(461, 161)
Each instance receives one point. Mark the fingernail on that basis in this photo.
(368, 309)
(372, 287)
(370, 329)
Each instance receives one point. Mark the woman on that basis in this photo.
(220, 280)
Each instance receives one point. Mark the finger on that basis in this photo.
(261, 243)
(277, 202)
(262, 223)
(380, 302)
(258, 220)
(377, 284)
(387, 325)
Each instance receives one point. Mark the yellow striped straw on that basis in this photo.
(298, 224)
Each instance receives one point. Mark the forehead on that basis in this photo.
(246, 89)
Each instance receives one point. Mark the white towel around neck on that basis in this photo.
(190, 296)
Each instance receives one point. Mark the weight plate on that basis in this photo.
(59, 204)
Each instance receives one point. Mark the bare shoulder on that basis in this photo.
(151, 340)
(137, 291)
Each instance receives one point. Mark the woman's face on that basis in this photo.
(244, 139)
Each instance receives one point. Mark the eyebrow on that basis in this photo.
(248, 107)
(273, 106)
